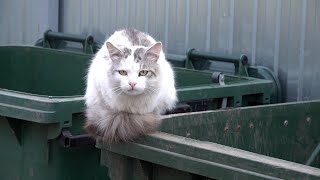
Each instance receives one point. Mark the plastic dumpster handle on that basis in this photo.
(193, 53)
(68, 37)
(68, 140)
(199, 58)
(51, 39)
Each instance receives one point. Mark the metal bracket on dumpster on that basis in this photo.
(68, 140)
(218, 77)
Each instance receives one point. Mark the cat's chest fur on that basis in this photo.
(139, 104)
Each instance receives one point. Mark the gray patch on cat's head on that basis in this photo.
(145, 42)
(136, 37)
(127, 52)
(140, 57)
(138, 54)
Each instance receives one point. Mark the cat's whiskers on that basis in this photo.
(115, 88)
(117, 91)
(149, 91)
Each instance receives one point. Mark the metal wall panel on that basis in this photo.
(24, 21)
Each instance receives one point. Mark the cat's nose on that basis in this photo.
(132, 84)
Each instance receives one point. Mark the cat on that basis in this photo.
(129, 85)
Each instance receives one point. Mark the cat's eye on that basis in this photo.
(122, 72)
(143, 73)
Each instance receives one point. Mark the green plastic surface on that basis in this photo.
(261, 142)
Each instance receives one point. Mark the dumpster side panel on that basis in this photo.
(204, 159)
(30, 155)
(43, 71)
(289, 131)
(10, 152)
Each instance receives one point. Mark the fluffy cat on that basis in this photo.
(129, 84)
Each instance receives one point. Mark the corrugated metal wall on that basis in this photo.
(24, 21)
(283, 35)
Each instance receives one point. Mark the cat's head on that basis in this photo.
(134, 69)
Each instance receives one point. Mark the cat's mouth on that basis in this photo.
(133, 92)
(132, 89)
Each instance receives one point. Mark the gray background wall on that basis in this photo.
(24, 21)
(283, 35)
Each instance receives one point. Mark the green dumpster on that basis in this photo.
(41, 111)
(280, 141)
(41, 107)
(40, 96)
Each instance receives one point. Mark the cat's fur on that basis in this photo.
(113, 109)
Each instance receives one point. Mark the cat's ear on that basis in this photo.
(154, 51)
(114, 53)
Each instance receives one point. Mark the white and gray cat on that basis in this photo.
(129, 84)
